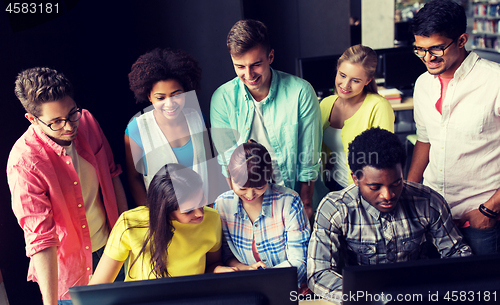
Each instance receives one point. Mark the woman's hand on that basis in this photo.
(253, 266)
(223, 269)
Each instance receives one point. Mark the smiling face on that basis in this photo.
(249, 195)
(351, 79)
(191, 211)
(54, 111)
(447, 64)
(381, 187)
(253, 68)
(167, 98)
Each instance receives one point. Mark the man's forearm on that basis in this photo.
(121, 198)
(494, 202)
(480, 221)
(306, 195)
(419, 161)
(45, 263)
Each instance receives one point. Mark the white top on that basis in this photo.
(259, 134)
(158, 151)
(332, 139)
(464, 158)
(94, 209)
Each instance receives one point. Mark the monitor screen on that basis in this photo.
(401, 69)
(256, 287)
(319, 72)
(379, 73)
(475, 279)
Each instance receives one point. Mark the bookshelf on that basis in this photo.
(486, 25)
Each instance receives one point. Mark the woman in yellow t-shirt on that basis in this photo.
(355, 107)
(174, 235)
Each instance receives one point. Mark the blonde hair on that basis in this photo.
(367, 58)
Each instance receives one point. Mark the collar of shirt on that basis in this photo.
(368, 207)
(58, 149)
(465, 67)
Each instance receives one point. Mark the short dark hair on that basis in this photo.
(375, 147)
(250, 165)
(247, 34)
(163, 64)
(39, 85)
(443, 17)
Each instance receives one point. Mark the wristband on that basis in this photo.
(487, 212)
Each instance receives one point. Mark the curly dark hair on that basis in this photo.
(443, 17)
(375, 147)
(163, 64)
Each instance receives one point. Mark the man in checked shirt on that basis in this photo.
(380, 218)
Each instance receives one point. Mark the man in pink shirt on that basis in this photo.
(66, 192)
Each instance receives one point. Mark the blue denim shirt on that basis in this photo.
(292, 118)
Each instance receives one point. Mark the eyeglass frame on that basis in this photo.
(78, 109)
(415, 50)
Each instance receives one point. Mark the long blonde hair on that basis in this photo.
(367, 58)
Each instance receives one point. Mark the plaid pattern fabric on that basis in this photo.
(348, 228)
(281, 231)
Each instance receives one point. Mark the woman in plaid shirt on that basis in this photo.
(264, 224)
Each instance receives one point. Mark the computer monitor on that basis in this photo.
(475, 279)
(319, 72)
(256, 287)
(402, 34)
(401, 69)
(380, 73)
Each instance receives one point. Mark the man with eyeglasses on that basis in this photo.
(457, 112)
(66, 192)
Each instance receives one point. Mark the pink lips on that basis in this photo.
(433, 64)
(387, 205)
(197, 219)
(250, 199)
(253, 82)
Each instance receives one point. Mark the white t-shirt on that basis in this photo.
(259, 134)
(332, 139)
(94, 208)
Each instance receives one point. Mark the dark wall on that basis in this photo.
(302, 28)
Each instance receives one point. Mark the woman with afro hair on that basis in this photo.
(168, 130)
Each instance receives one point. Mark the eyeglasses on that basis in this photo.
(60, 123)
(434, 51)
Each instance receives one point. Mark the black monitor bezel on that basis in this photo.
(275, 284)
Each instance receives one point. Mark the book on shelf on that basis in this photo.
(392, 95)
